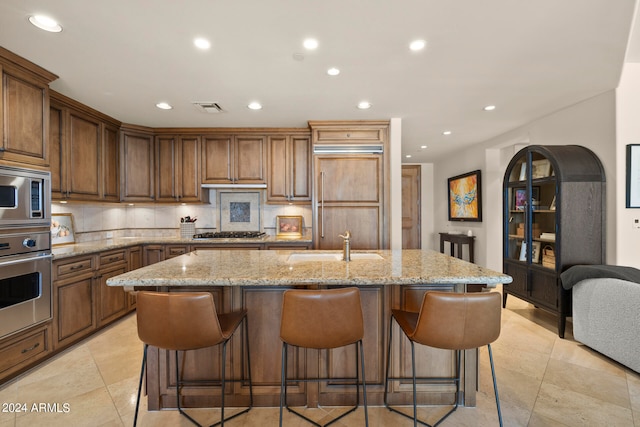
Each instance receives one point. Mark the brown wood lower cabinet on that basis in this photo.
(73, 299)
(113, 302)
(264, 310)
(82, 301)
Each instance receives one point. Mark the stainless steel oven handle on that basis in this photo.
(24, 260)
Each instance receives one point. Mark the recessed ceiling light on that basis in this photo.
(202, 43)
(408, 156)
(364, 105)
(417, 45)
(423, 146)
(45, 23)
(333, 71)
(310, 44)
(446, 132)
(164, 106)
(255, 106)
(489, 108)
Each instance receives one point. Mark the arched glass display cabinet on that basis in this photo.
(554, 218)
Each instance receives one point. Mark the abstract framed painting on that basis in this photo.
(465, 203)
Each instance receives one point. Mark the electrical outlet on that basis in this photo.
(109, 234)
(636, 223)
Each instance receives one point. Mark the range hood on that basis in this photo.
(347, 149)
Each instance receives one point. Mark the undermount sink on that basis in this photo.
(299, 257)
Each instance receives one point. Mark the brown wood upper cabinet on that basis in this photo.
(137, 172)
(83, 152)
(234, 159)
(24, 103)
(289, 169)
(178, 168)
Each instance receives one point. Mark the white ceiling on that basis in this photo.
(529, 58)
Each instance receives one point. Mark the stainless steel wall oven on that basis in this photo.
(25, 248)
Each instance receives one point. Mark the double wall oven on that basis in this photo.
(25, 248)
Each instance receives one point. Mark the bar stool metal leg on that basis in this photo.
(144, 361)
(224, 381)
(178, 394)
(495, 384)
(364, 385)
(360, 371)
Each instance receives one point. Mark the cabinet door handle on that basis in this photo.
(33, 347)
(322, 205)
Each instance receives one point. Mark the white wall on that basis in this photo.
(590, 123)
(628, 132)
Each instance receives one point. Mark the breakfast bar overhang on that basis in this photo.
(256, 279)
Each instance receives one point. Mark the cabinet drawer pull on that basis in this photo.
(114, 258)
(26, 350)
(76, 267)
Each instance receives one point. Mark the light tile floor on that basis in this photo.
(543, 381)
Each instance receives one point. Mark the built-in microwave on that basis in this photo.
(25, 197)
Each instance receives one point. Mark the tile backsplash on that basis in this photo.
(92, 221)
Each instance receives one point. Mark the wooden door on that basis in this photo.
(300, 169)
(23, 123)
(56, 141)
(83, 157)
(110, 164)
(216, 159)
(250, 159)
(411, 207)
(74, 307)
(153, 254)
(362, 221)
(112, 301)
(349, 179)
(278, 170)
(137, 171)
(166, 168)
(289, 169)
(188, 169)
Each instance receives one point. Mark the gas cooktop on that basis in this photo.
(230, 235)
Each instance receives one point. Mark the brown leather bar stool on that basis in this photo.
(183, 321)
(322, 319)
(453, 321)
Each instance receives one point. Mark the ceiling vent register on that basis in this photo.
(208, 107)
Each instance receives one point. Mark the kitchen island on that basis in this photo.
(256, 280)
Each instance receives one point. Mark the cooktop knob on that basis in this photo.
(29, 243)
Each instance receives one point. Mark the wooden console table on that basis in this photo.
(460, 240)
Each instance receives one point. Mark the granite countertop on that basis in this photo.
(86, 248)
(273, 268)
